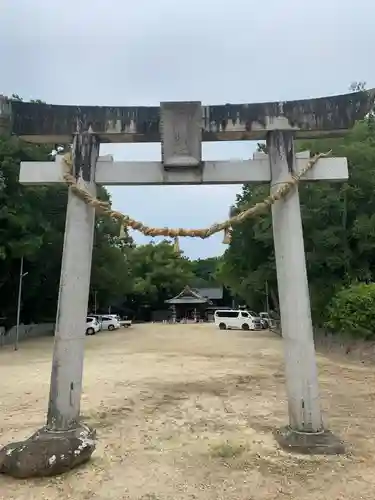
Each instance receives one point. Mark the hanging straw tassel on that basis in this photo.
(227, 236)
(228, 231)
(122, 234)
(176, 245)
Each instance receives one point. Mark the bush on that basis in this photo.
(352, 311)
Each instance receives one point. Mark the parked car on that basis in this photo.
(126, 323)
(265, 320)
(109, 322)
(92, 325)
(114, 316)
(233, 319)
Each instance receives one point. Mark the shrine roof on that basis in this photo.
(213, 293)
(187, 300)
(188, 296)
(309, 118)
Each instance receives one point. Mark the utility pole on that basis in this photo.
(267, 300)
(22, 275)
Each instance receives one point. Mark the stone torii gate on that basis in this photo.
(180, 127)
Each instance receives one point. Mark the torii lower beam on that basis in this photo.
(152, 173)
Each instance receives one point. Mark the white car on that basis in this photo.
(234, 318)
(109, 322)
(114, 316)
(92, 325)
(265, 319)
(126, 323)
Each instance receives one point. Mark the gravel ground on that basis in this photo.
(187, 412)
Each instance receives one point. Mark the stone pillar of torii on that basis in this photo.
(180, 127)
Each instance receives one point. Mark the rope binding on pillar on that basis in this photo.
(126, 221)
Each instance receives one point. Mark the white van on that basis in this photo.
(234, 318)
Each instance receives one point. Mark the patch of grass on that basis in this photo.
(227, 450)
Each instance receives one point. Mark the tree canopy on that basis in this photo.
(32, 222)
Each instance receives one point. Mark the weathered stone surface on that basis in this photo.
(48, 453)
(327, 116)
(322, 443)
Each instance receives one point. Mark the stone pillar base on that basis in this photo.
(48, 453)
(314, 443)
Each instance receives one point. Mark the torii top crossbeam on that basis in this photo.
(309, 118)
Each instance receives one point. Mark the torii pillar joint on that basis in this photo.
(65, 442)
(305, 432)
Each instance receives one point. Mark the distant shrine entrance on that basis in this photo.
(180, 127)
(193, 305)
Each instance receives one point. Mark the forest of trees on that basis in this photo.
(339, 234)
(32, 221)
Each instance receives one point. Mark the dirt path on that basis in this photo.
(186, 412)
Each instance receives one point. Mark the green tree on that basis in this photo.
(352, 311)
(32, 223)
(111, 278)
(24, 219)
(158, 273)
(205, 271)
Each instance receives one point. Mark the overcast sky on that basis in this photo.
(121, 52)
